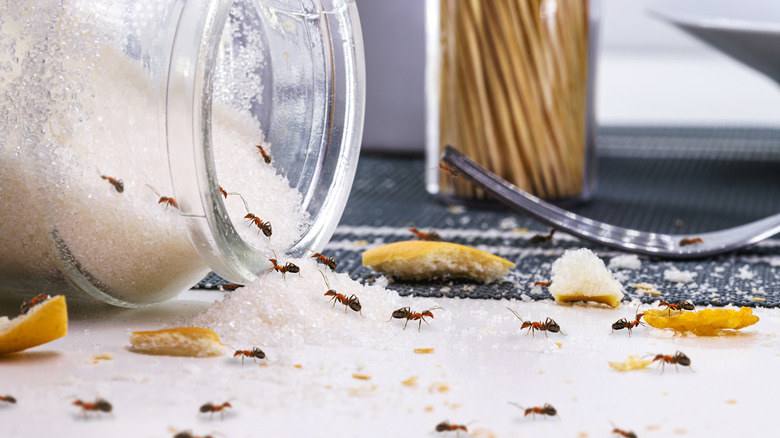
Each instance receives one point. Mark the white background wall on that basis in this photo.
(649, 73)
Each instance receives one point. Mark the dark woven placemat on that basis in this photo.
(675, 180)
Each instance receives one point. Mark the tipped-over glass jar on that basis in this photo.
(147, 142)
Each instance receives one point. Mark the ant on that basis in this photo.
(32, 302)
(352, 302)
(679, 305)
(223, 192)
(168, 201)
(448, 170)
(547, 409)
(230, 287)
(8, 399)
(211, 408)
(431, 235)
(99, 405)
(327, 261)
(539, 238)
(678, 358)
(288, 267)
(445, 426)
(623, 433)
(685, 241)
(188, 434)
(263, 226)
(255, 354)
(266, 157)
(406, 313)
(117, 183)
(549, 325)
(542, 283)
(624, 323)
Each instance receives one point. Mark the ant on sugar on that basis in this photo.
(288, 267)
(255, 353)
(547, 410)
(210, 408)
(446, 426)
(327, 261)
(165, 200)
(265, 155)
(98, 406)
(117, 183)
(352, 302)
(678, 358)
(406, 313)
(7, 399)
(624, 323)
(549, 325)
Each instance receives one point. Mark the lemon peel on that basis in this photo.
(43, 323)
(706, 322)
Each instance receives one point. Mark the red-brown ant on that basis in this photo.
(624, 323)
(263, 226)
(679, 305)
(7, 399)
(549, 325)
(188, 434)
(255, 354)
(32, 302)
(447, 169)
(327, 261)
(117, 183)
(431, 235)
(406, 313)
(623, 433)
(352, 302)
(211, 408)
(288, 267)
(99, 405)
(685, 241)
(166, 200)
(542, 283)
(445, 426)
(539, 238)
(230, 287)
(266, 157)
(678, 358)
(547, 409)
(223, 192)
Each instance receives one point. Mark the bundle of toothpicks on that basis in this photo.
(512, 93)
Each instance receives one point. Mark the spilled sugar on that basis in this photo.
(293, 310)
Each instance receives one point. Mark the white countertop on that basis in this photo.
(481, 361)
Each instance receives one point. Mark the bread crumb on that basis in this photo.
(423, 350)
(411, 381)
(647, 288)
(179, 341)
(102, 356)
(438, 387)
(361, 376)
(580, 275)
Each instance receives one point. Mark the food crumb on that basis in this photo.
(483, 433)
(758, 299)
(647, 288)
(428, 409)
(583, 435)
(680, 431)
(361, 376)
(297, 365)
(423, 350)
(411, 381)
(654, 427)
(559, 344)
(361, 242)
(102, 356)
(438, 387)
(731, 402)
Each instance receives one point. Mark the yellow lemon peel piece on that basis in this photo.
(707, 322)
(179, 341)
(420, 260)
(43, 323)
(632, 363)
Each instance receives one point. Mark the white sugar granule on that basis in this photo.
(581, 272)
(676, 276)
(745, 273)
(628, 261)
(291, 311)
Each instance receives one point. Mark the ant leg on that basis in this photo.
(407, 322)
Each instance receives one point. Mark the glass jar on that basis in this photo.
(148, 142)
(510, 84)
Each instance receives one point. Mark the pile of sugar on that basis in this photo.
(76, 121)
(581, 272)
(293, 310)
